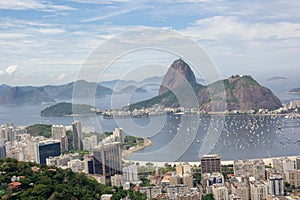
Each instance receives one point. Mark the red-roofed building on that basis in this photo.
(14, 186)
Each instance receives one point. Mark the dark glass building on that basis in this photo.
(46, 149)
(2, 150)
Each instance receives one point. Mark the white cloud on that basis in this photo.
(101, 1)
(51, 31)
(113, 14)
(220, 27)
(11, 69)
(32, 4)
(12, 35)
(20, 23)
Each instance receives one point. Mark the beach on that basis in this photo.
(125, 153)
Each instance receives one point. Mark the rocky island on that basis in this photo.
(68, 109)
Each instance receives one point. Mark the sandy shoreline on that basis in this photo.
(267, 161)
(148, 142)
(125, 153)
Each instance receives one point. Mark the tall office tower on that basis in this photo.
(107, 159)
(64, 144)
(118, 135)
(77, 135)
(4, 133)
(2, 149)
(46, 149)
(275, 184)
(58, 131)
(210, 163)
(11, 133)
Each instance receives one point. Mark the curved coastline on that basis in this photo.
(126, 153)
(267, 161)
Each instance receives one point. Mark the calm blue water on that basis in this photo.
(185, 138)
(242, 137)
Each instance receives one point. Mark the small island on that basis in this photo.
(68, 109)
(131, 89)
(294, 91)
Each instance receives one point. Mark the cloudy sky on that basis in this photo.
(48, 41)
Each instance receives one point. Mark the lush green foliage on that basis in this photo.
(131, 141)
(53, 183)
(208, 197)
(168, 99)
(167, 168)
(227, 169)
(39, 130)
(196, 171)
(63, 109)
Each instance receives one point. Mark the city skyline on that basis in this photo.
(47, 42)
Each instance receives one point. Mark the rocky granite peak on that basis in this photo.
(177, 75)
(238, 92)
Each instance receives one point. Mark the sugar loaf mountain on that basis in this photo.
(241, 92)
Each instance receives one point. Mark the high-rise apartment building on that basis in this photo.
(220, 192)
(298, 163)
(118, 135)
(208, 179)
(107, 159)
(293, 177)
(283, 164)
(58, 131)
(275, 185)
(77, 135)
(258, 191)
(2, 149)
(255, 168)
(130, 173)
(210, 163)
(240, 189)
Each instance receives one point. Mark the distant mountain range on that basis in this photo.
(118, 84)
(131, 89)
(10, 95)
(17, 95)
(45, 94)
(242, 92)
